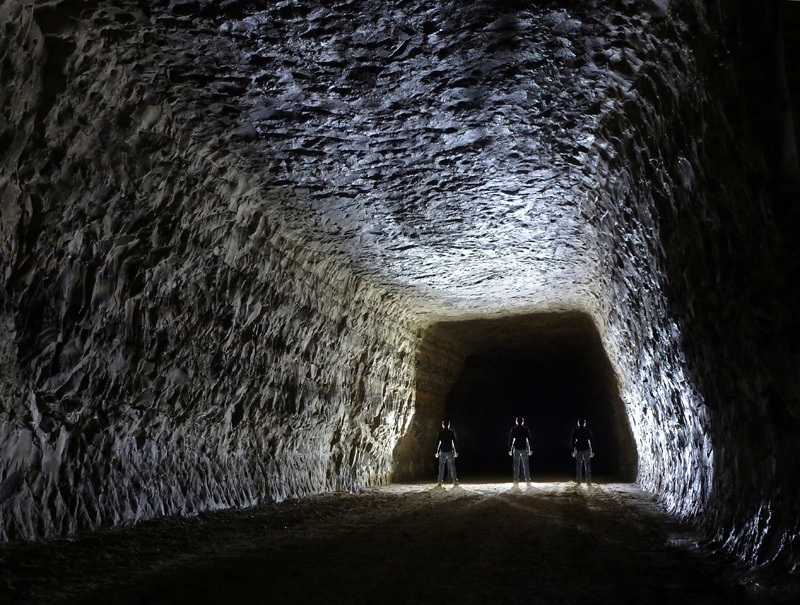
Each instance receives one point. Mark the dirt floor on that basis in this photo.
(549, 542)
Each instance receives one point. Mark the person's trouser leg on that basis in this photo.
(583, 458)
(587, 459)
(451, 465)
(441, 466)
(516, 465)
(525, 466)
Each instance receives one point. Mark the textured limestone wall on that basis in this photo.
(439, 361)
(640, 329)
(170, 343)
(743, 188)
(697, 214)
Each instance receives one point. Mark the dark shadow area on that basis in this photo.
(313, 551)
(551, 369)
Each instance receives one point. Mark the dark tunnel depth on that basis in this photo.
(550, 369)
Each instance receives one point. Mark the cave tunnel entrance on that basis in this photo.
(550, 368)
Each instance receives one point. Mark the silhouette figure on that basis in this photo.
(446, 452)
(519, 448)
(582, 451)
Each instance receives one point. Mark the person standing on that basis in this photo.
(519, 448)
(446, 452)
(582, 451)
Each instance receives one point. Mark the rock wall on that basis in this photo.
(169, 342)
(439, 360)
(641, 333)
(697, 214)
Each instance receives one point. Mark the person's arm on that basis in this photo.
(438, 447)
(528, 441)
(511, 442)
(455, 449)
(591, 449)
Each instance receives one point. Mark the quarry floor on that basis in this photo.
(549, 542)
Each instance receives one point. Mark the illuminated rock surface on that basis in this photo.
(244, 246)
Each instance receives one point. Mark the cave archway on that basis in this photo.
(550, 368)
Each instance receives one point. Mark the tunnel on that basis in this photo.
(551, 370)
(254, 253)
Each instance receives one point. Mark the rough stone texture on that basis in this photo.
(234, 232)
(699, 178)
(439, 358)
(170, 343)
(419, 138)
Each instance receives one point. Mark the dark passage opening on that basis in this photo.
(551, 369)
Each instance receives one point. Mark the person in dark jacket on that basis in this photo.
(446, 452)
(582, 451)
(519, 448)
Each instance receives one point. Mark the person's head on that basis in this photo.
(581, 421)
(520, 420)
(445, 424)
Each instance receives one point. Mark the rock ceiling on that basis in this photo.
(441, 146)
